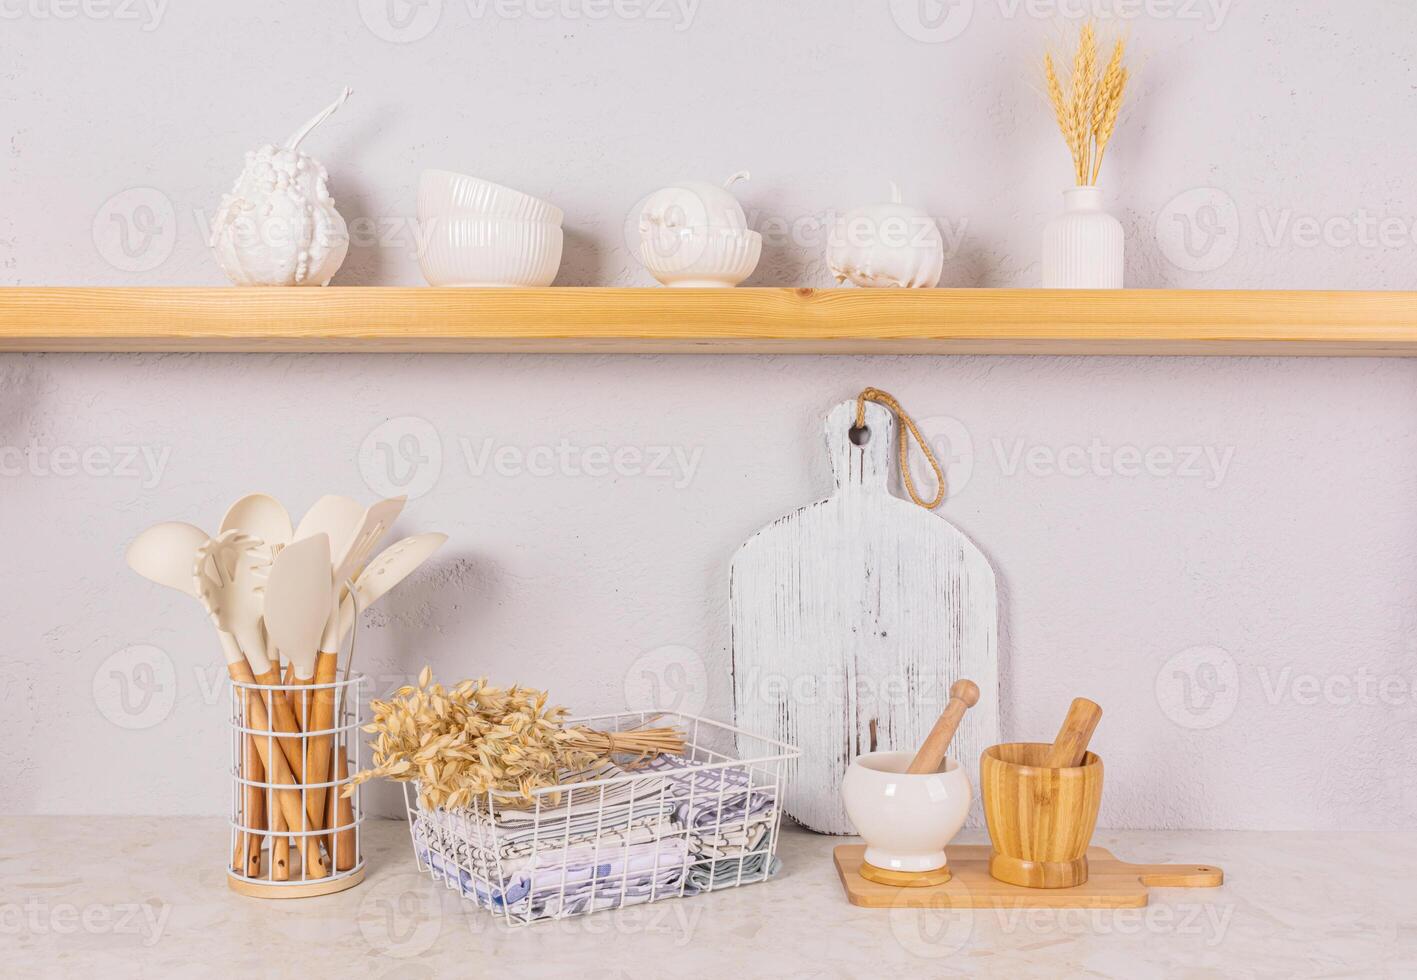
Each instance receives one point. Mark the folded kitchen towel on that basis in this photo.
(724, 812)
(583, 879)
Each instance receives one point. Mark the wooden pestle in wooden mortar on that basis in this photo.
(964, 694)
(1070, 747)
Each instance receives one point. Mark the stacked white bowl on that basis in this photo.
(695, 234)
(477, 233)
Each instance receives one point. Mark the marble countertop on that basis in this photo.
(146, 897)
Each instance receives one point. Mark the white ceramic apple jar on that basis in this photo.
(906, 819)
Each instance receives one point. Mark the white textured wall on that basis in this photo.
(1245, 616)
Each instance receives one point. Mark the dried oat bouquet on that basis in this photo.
(462, 742)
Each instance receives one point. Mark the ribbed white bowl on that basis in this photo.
(491, 252)
(444, 194)
(701, 257)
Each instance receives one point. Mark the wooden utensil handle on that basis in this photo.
(340, 813)
(248, 846)
(1070, 747)
(280, 848)
(964, 694)
(322, 717)
(299, 752)
(286, 723)
(279, 770)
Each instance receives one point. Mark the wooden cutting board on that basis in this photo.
(851, 619)
(1111, 883)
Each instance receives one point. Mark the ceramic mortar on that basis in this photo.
(906, 819)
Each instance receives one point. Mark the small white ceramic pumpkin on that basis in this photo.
(279, 226)
(887, 245)
(693, 204)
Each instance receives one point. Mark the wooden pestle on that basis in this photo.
(964, 694)
(1070, 747)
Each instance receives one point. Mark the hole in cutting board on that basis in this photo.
(859, 435)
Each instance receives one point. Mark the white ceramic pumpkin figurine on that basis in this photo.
(887, 245)
(279, 226)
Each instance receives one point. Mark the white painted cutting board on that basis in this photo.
(852, 618)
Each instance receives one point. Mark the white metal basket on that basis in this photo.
(616, 836)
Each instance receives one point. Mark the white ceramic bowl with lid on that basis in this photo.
(490, 252)
(444, 194)
(701, 257)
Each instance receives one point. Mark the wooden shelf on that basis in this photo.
(634, 321)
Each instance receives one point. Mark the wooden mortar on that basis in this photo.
(1040, 815)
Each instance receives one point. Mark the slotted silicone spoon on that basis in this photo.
(394, 564)
(347, 558)
(375, 522)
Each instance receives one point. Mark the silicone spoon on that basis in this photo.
(164, 553)
(261, 516)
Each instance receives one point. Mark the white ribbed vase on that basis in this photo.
(1083, 246)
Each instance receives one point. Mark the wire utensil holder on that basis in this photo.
(626, 833)
(293, 838)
